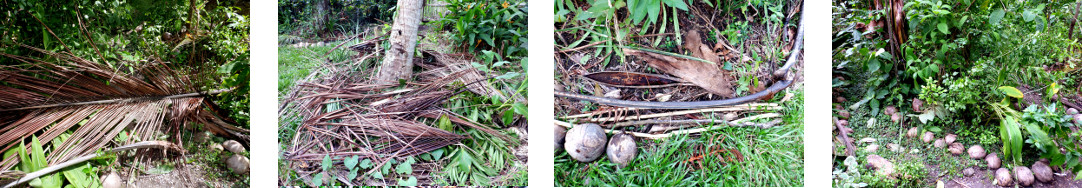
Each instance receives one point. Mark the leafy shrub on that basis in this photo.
(848, 177)
(498, 26)
(303, 16)
(642, 9)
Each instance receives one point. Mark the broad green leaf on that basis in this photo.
(653, 11)
(677, 4)
(1028, 15)
(412, 181)
(996, 16)
(81, 176)
(386, 168)
(508, 117)
(404, 168)
(928, 115)
(520, 109)
(437, 154)
(377, 175)
(1053, 89)
(873, 65)
(464, 160)
(352, 174)
(508, 75)
(445, 123)
(935, 129)
(943, 28)
(1011, 91)
(326, 164)
(1015, 137)
(366, 163)
(317, 180)
(351, 162)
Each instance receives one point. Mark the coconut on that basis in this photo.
(1003, 177)
(844, 114)
(880, 165)
(950, 138)
(928, 136)
(894, 147)
(895, 117)
(621, 149)
(976, 152)
(956, 149)
(112, 181)
(559, 139)
(844, 123)
(913, 132)
(1078, 119)
(238, 163)
(969, 171)
(1042, 172)
(840, 99)
(867, 140)
(1072, 111)
(233, 146)
(993, 160)
(1023, 175)
(201, 137)
(585, 142)
(890, 110)
(917, 103)
(872, 148)
(940, 143)
(216, 147)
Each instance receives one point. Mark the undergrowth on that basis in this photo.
(772, 157)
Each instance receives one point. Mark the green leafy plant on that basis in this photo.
(642, 9)
(1039, 126)
(498, 26)
(848, 176)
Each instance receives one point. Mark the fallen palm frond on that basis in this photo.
(343, 115)
(743, 122)
(97, 103)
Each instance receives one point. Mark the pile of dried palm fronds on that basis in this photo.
(341, 113)
(46, 97)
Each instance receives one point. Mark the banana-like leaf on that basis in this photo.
(1013, 143)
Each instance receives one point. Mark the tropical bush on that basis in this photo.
(966, 66)
(498, 26)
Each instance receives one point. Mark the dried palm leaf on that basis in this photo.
(96, 103)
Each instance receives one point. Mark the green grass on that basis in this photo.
(296, 63)
(772, 157)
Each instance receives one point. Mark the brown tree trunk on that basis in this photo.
(398, 61)
(320, 23)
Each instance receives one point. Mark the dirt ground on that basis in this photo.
(984, 178)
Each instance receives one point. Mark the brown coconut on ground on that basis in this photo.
(585, 142)
(976, 152)
(1042, 172)
(1023, 175)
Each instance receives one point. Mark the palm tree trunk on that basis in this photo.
(398, 62)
